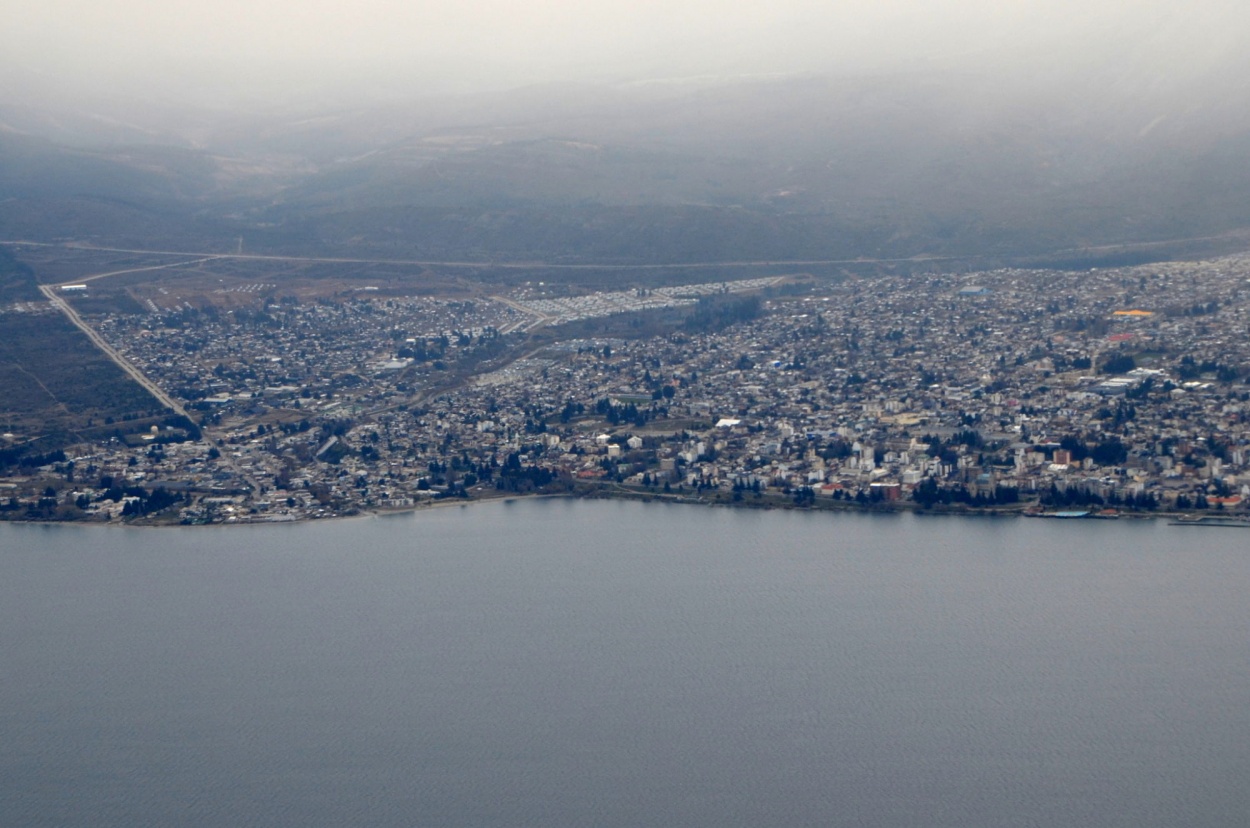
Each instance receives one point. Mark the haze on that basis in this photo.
(232, 50)
(644, 132)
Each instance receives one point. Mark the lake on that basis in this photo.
(551, 662)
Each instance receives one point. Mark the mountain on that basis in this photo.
(892, 165)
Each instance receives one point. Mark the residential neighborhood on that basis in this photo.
(1112, 391)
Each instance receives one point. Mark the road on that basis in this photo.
(95, 276)
(503, 265)
(137, 375)
(527, 326)
(540, 265)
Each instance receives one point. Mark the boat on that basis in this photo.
(1211, 521)
(1063, 515)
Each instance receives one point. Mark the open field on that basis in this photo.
(58, 386)
(58, 264)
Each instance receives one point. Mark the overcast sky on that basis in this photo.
(502, 42)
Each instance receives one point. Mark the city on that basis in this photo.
(1109, 391)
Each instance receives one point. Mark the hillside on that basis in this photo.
(794, 168)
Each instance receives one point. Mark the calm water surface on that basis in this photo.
(551, 663)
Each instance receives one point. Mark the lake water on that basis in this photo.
(556, 663)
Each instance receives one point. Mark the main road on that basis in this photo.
(97, 340)
(134, 373)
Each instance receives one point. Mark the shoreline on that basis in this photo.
(1209, 517)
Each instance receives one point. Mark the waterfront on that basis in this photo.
(1022, 390)
(613, 663)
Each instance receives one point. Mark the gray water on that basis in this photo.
(551, 663)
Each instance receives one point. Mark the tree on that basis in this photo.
(1120, 364)
(926, 494)
(1109, 452)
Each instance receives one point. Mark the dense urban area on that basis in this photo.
(1095, 392)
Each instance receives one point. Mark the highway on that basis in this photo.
(505, 265)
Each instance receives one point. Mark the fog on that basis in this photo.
(684, 130)
(232, 51)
